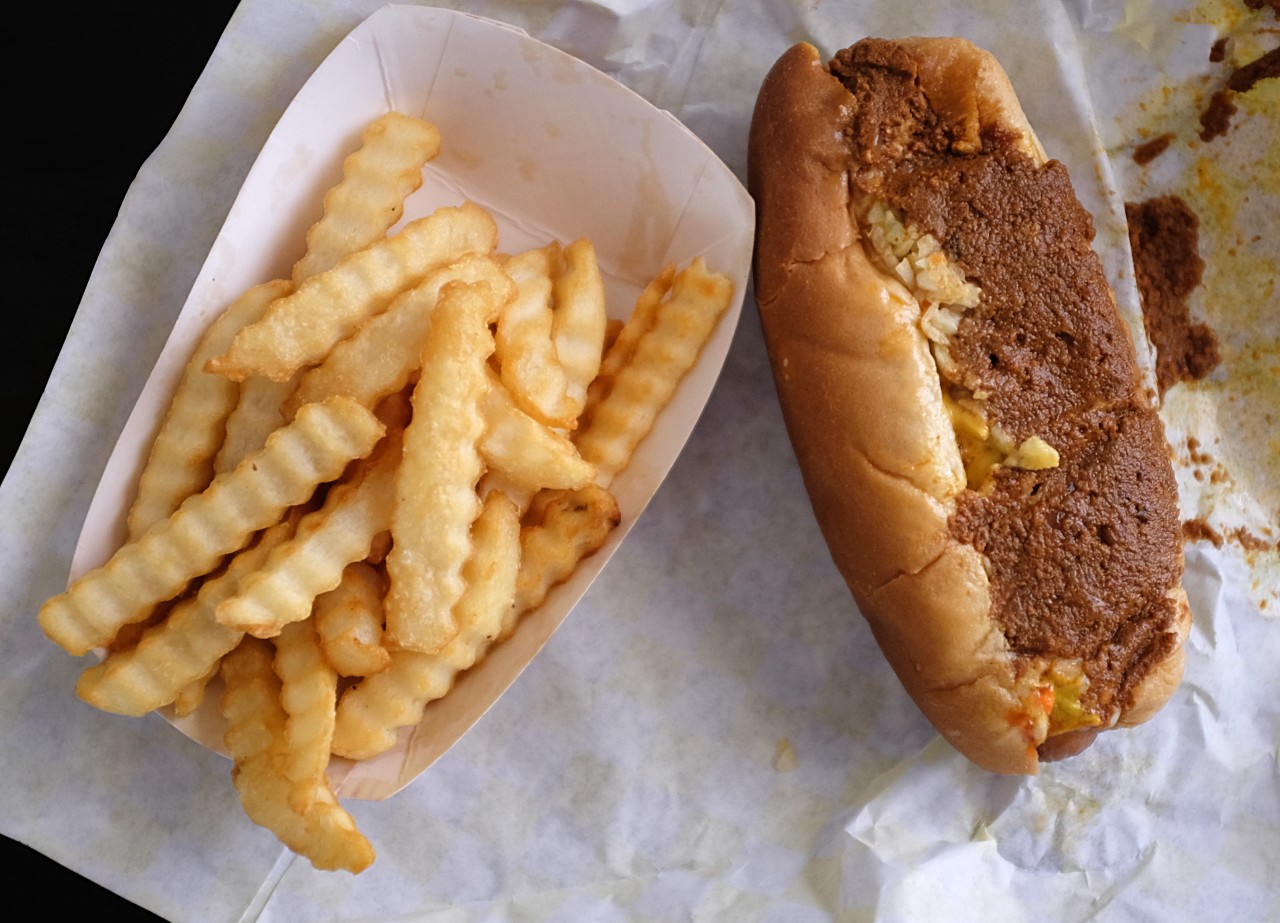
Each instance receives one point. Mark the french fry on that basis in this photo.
(567, 526)
(181, 650)
(379, 358)
(613, 326)
(309, 694)
(191, 696)
(401, 403)
(255, 417)
(357, 212)
(312, 450)
(129, 635)
(284, 588)
(348, 622)
(370, 713)
(518, 447)
(660, 357)
(255, 736)
(181, 459)
(579, 321)
(380, 548)
(525, 349)
(376, 179)
(436, 499)
(300, 329)
(622, 342)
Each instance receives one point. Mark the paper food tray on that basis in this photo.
(554, 149)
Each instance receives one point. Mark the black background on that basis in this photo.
(91, 89)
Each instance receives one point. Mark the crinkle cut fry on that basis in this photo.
(530, 366)
(358, 212)
(309, 694)
(644, 315)
(662, 356)
(381, 356)
(191, 696)
(311, 562)
(370, 713)
(255, 417)
(579, 320)
(567, 526)
(183, 649)
(348, 620)
(326, 834)
(181, 462)
(314, 449)
(529, 454)
(436, 500)
(376, 179)
(300, 329)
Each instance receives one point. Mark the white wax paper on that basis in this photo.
(712, 734)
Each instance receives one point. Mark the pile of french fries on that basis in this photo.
(368, 472)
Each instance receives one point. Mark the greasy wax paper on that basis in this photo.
(712, 733)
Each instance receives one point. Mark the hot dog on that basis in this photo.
(964, 399)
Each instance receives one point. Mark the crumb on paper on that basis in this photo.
(1215, 120)
(1199, 530)
(1148, 151)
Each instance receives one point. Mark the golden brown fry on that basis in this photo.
(472, 427)
(181, 459)
(128, 636)
(612, 328)
(524, 451)
(380, 548)
(186, 646)
(579, 321)
(348, 621)
(565, 527)
(570, 526)
(283, 589)
(358, 212)
(255, 417)
(191, 696)
(659, 359)
(436, 499)
(378, 359)
(325, 834)
(524, 346)
(376, 179)
(370, 714)
(623, 341)
(309, 694)
(300, 329)
(313, 449)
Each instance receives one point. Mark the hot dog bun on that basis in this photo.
(990, 478)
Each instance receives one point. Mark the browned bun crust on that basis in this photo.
(863, 404)
(1159, 685)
